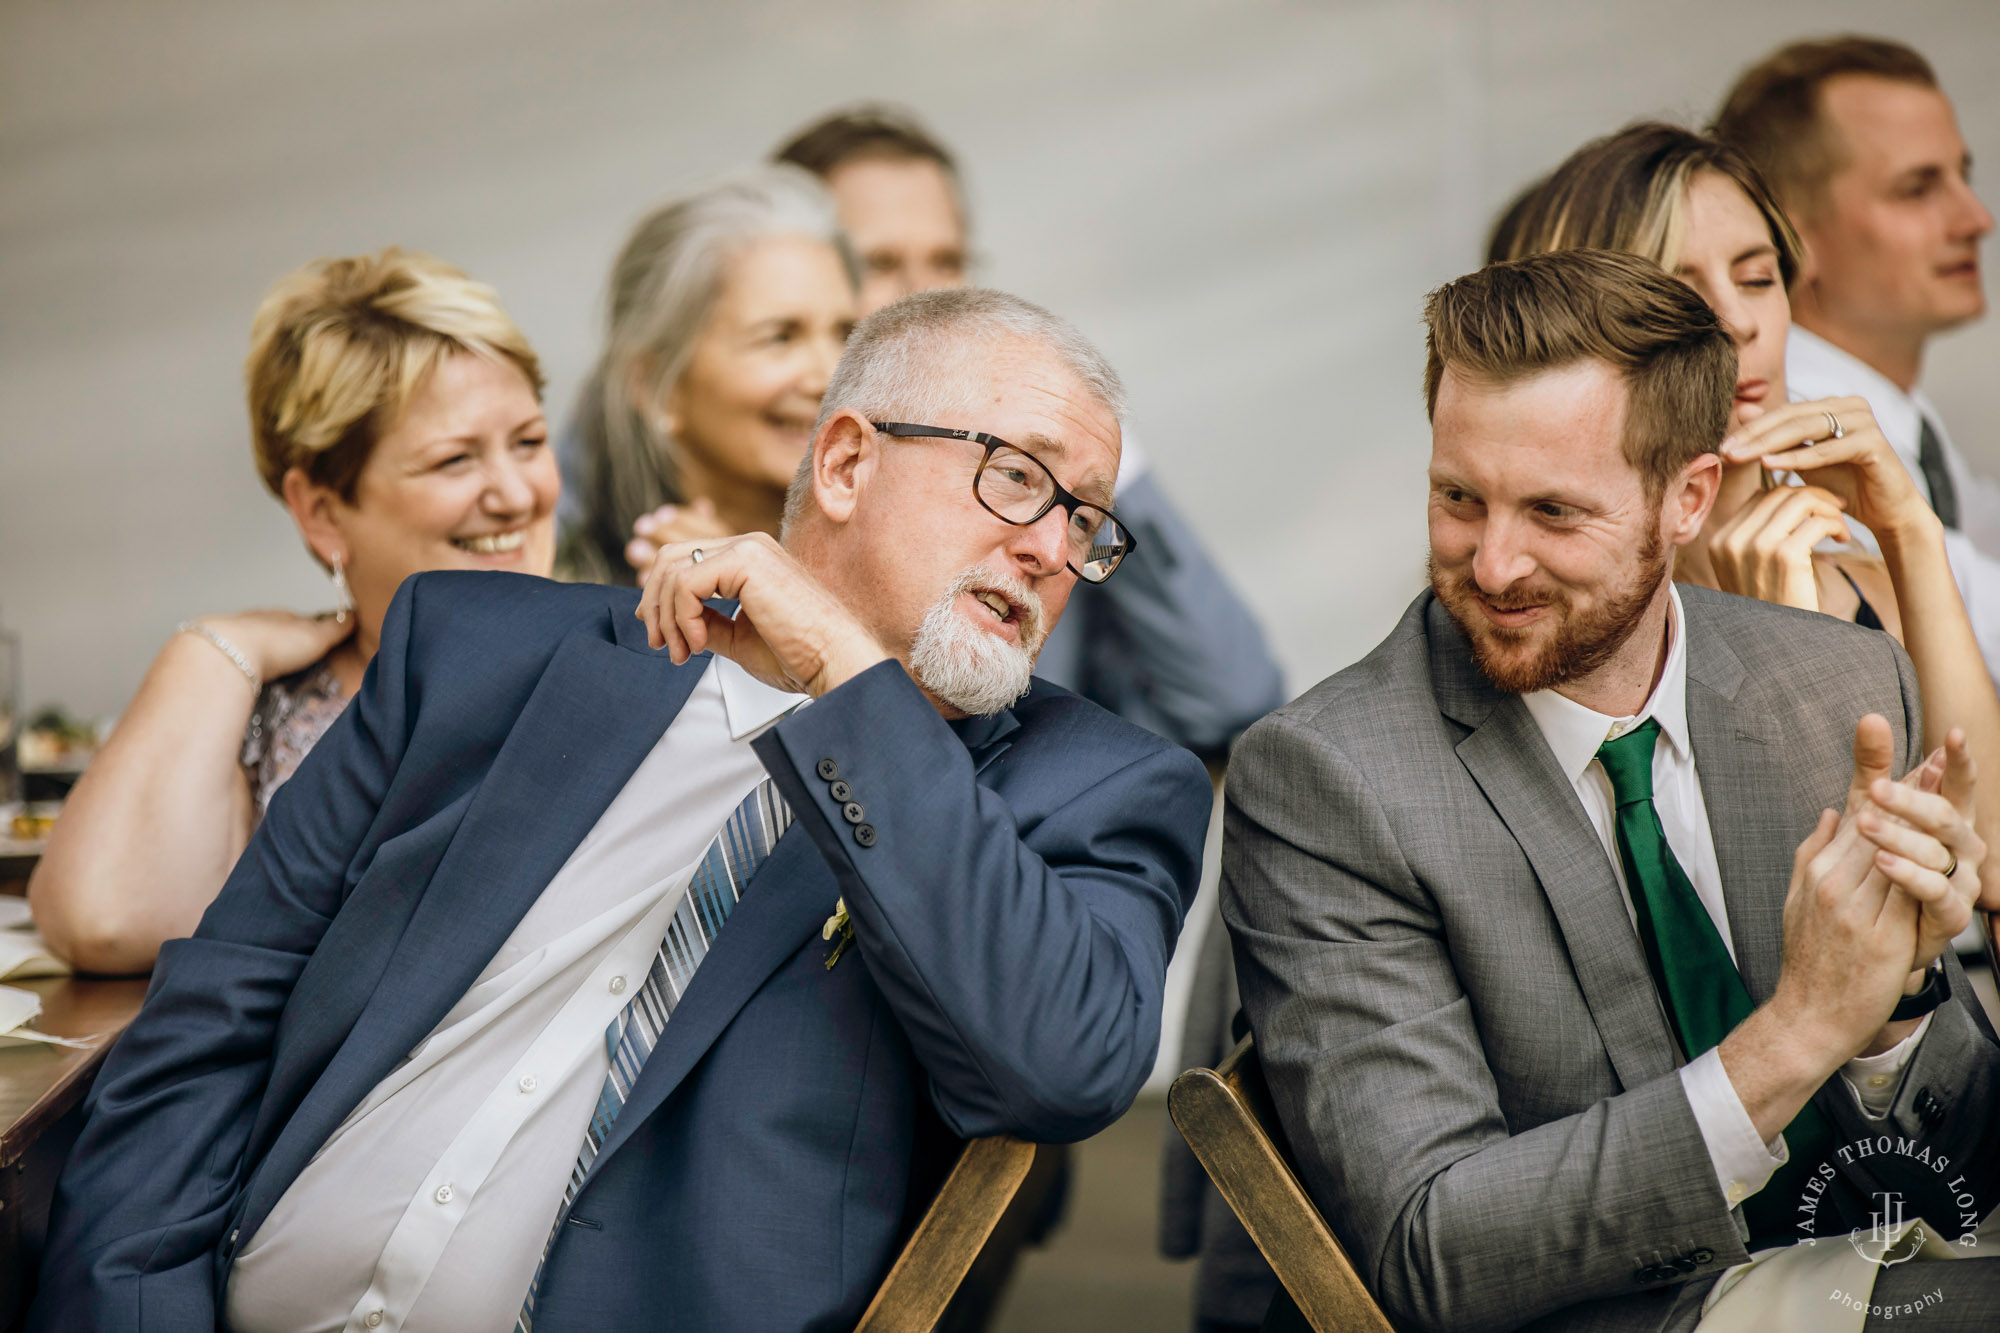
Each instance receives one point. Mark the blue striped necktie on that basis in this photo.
(729, 864)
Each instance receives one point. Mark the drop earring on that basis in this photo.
(343, 600)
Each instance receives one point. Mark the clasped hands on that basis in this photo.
(1869, 909)
(1879, 891)
(790, 631)
(1764, 550)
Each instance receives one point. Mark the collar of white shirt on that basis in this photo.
(751, 704)
(1574, 732)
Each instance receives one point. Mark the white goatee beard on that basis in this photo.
(973, 671)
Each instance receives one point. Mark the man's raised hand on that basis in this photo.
(790, 631)
(1926, 845)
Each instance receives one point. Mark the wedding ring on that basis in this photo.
(697, 555)
(1834, 430)
(1951, 869)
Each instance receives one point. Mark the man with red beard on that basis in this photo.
(1561, 1028)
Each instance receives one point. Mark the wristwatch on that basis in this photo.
(1936, 990)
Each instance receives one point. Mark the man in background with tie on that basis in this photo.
(1863, 150)
(1559, 1025)
(618, 963)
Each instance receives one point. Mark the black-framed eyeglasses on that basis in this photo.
(1016, 487)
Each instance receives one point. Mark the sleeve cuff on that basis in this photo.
(1873, 1079)
(1743, 1162)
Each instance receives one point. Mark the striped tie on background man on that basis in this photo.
(730, 862)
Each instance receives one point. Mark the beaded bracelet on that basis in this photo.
(228, 650)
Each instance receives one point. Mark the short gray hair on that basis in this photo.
(663, 286)
(905, 362)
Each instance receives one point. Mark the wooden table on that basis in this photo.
(41, 1091)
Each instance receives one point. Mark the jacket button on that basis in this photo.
(865, 834)
(1684, 1264)
(840, 791)
(853, 813)
(1704, 1255)
(828, 770)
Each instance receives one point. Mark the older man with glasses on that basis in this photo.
(576, 982)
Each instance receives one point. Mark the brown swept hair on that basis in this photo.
(1772, 113)
(1511, 321)
(866, 130)
(1628, 191)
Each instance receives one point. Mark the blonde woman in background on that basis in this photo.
(395, 410)
(1699, 209)
(728, 310)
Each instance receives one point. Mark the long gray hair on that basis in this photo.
(662, 288)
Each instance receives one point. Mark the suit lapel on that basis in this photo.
(783, 906)
(1507, 756)
(594, 716)
(1746, 788)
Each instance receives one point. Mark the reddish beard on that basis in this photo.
(1581, 642)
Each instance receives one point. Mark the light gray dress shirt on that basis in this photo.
(428, 1208)
(1743, 1162)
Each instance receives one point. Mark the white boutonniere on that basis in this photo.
(840, 928)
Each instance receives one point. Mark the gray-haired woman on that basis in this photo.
(728, 311)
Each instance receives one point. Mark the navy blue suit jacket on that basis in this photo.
(1013, 920)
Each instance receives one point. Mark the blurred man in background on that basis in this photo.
(1863, 150)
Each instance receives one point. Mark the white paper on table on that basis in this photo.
(20, 1007)
(22, 952)
(24, 955)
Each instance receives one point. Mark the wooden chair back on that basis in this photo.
(953, 1231)
(1226, 1116)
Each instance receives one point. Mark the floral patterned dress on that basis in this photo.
(292, 713)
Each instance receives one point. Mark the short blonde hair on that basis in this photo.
(339, 347)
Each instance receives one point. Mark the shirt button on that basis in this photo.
(1737, 1194)
(374, 1319)
(617, 985)
(1878, 1080)
(527, 1083)
(443, 1194)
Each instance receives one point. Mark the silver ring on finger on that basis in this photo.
(697, 555)
(1834, 430)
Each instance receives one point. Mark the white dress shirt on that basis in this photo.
(1815, 368)
(428, 1208)
(1743, 1162)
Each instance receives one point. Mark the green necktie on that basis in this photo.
(1699, 986)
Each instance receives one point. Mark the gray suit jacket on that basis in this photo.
(1454, 1012)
